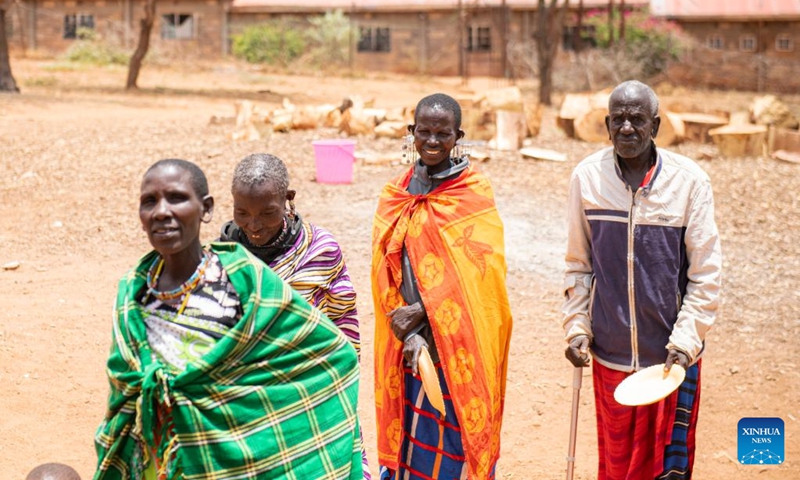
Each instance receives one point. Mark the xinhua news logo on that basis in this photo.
(761, 441)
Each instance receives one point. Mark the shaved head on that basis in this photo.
(634, 89)
(53, 471)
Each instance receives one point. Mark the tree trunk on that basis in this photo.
(7, 82)
(579, 38)
(610, 22)
(144, 43)
(622, 21)
(549, 22)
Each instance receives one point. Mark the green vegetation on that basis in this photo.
(273, 43)
(90, 48)
(653, 42)
(329, 39)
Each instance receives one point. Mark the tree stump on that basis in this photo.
(740, 140)
(671, 130)
(591, 126)
(697, 125)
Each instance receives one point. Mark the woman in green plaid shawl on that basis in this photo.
(218, 370)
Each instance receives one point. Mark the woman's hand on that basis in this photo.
(405, 319)
(411, 350)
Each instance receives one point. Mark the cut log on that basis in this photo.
(533, 118)
(741, 117)
(671, 130)
(573, 106)
(281, 121)
(543, 154)
(305, 119)
(244, 129)
(697, 125)
(768, 110)
(511, 130)
(740, 140)
(591, 126)
(391, 129)
(783, 139)
(377, 158)
(508, 99)
(791, 157)
(333, 119)
(356, 122)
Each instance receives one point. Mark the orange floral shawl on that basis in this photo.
(454, 239)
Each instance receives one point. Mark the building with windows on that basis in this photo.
(754, 41)
(741, 44)
(49, 27)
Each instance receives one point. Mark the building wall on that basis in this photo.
(39, 25)
(729, 65)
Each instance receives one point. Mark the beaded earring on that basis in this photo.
(408, 150)
(292, 211)
(462, 149)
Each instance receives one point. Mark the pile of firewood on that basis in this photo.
(501, 118)
(768, 128)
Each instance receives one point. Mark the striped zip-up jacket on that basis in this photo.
(642, 269)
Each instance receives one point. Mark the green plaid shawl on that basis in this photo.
(274, 399)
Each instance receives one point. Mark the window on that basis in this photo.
(74, 22)
(177, 26)
(715, 42)
(784, 43)
(479, 39)
(569, 36)
(747, 43)
(374, 39)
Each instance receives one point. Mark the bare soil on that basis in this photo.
(73, 147)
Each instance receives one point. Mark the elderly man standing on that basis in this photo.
(642, 286)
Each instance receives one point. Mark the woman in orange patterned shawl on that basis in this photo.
(438, 282)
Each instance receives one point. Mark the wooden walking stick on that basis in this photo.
(577, 376)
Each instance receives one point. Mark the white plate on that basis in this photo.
(649, 385)
(430, 381)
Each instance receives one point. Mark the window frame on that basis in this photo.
(745, 38)
(715, 42)
(374, 39)
(79, 20)
(479, 38)
(173, 31)
(784, 37)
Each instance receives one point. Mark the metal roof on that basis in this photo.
(726, 9)
(287, 6)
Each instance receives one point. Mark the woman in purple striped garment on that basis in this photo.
(304, 255)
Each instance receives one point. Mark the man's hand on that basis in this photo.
(577, 351)
(411, 349)
(676, 356)
(406, 318)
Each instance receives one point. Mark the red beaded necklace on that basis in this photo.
(184, 290)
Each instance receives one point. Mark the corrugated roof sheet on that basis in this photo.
(405, 5)
(725, 8)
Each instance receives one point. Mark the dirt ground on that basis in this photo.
(73, 148)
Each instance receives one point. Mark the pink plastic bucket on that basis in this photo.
(334, 160)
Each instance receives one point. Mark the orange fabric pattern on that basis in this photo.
(454, 239)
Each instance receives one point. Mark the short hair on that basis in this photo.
(259, 168)
(53, 471)
(198, 178)
(637, 85)
(441, 100)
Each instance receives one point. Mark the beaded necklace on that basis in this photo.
(185, 289)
